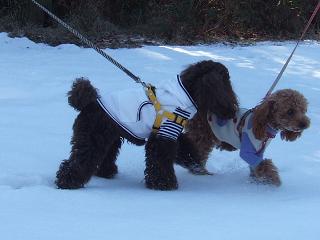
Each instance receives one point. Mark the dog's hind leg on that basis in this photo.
(93, 136)
(108, 167)
(189, 157)
(195, 145)
(160, 155)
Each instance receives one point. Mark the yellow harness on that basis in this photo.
(161, 113)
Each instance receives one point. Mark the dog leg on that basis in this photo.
(195, 145)
(108, 168)
(266, 172)
(160, 155)
(92, 138)
(188, 157)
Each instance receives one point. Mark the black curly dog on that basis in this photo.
(97, 138)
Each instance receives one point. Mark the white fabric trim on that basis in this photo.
(251, 149)
(132, 110)
(228, 132)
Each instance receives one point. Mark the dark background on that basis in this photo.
(127, 23)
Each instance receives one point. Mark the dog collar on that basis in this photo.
(271, 132)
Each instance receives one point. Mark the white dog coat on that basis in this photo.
(251, 149)
(135, 113)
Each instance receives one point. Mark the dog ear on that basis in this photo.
(261, 116)
(289, 135)
(216, 95)
(208, 83)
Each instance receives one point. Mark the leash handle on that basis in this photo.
(90, 44)
(297, 44)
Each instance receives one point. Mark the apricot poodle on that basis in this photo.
(250, 132)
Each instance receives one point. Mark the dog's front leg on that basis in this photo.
(266, 172)
(160, 156)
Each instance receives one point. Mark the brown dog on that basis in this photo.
(251, 131)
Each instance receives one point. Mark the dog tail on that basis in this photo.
(81, 94)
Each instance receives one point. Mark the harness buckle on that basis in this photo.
(179, 120)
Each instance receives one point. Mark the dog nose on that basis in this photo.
(302, 125)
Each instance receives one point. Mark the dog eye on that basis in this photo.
(290, 112)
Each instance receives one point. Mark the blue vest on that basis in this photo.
(251, 149)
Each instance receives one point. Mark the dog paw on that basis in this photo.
(64, 184)
(161, 183)
(162, 186)
(199, 170)
(266, 173)
(107, 173)
(66, 178)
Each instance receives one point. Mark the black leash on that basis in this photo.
(91, 44)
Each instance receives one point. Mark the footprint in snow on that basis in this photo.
(19, 181)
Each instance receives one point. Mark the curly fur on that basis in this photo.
(159, 173)
(266, 173)
(211, 90)
(284, 110)
(194, 148)
(97, 139)
(95, 143)
(81, 94)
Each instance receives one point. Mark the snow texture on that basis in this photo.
(35, 130)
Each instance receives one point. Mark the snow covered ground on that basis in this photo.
(35, 130)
